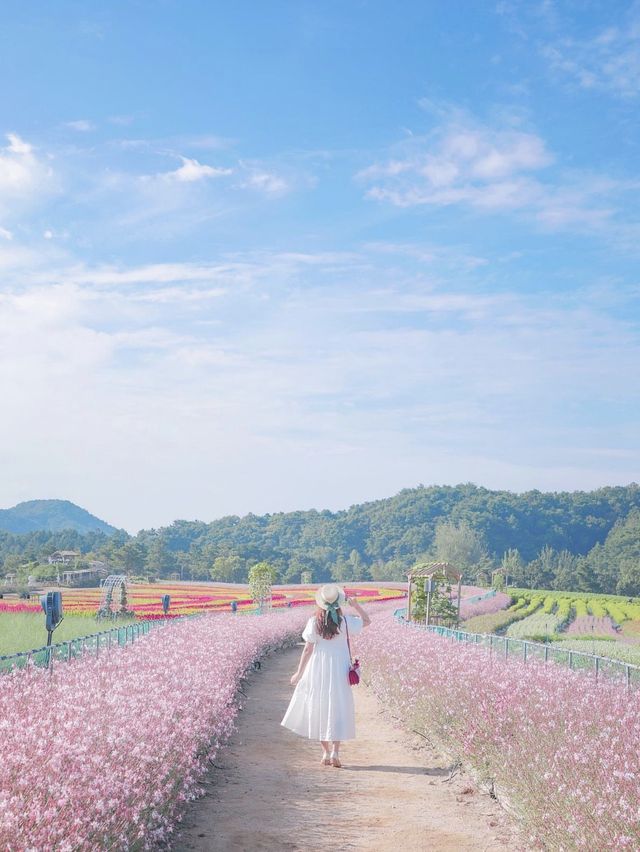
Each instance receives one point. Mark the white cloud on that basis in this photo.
(462, 162)
(25, 178)
(608, 61)
(255, 368)
(269, 183)
(82, 125)
(191, 170)
(492, 170)
(5, 234)
(121, 120)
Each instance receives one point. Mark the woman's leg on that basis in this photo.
(335, 753)
(325, 752)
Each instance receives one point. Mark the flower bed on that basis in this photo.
(102, 753)
(590, 625)
(537, 625)
(144, 599)
(486, 607)
(561, 748)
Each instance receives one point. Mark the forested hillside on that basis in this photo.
(51, 515)
(581, 540)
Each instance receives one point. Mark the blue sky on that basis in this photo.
(266, 256)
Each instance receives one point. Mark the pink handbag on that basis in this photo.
(354, 666)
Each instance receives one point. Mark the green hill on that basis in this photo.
(580, 540)
(51, 516)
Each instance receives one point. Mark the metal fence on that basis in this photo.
(105, 640)
(95, 644)
(524, 650)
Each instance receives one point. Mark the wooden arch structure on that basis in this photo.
(432, 575)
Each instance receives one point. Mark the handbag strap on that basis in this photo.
(348, 643)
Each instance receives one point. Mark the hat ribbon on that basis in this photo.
(332, 612)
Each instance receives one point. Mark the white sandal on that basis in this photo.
(335, 760)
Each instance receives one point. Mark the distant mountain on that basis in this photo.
(51, 516)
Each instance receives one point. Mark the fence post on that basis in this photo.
(571, 659)
(524, 651)
(597, 661)
(546, 653)
(68, 651)
(628, 676)
(506, 647)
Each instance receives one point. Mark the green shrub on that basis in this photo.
(616, 612)
(563, 613)
(580, 606)
(596, 608)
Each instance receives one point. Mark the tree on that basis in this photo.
(341, 570)
(541, 571)
(566, 572)
(514, 567)
(228, 569)
(358, 570)
(159, 562)
(133, 556)
(460, 545)
(262, 576)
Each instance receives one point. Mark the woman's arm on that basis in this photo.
(307, 651)
(363, 615)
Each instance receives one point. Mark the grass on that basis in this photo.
(26, 631)
(604, 648)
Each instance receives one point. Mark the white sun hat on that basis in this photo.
(330, 595)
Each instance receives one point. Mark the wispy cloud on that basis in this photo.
(608, 61)
(353, 361)
(462, 161)
(25, 177)
(82, 125)
(191, 170)
(494, 169)
(266, 182)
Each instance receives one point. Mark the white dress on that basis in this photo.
(321, 707)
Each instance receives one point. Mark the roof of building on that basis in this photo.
(435, 569)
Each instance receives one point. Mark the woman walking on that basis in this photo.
(322, 705)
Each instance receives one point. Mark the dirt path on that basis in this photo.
(269, 791)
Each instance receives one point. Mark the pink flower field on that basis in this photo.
(561, 748)
(591, 625)
(495, 604)
(102, 753)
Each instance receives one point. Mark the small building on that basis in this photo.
(63, 557)
(81, 576)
